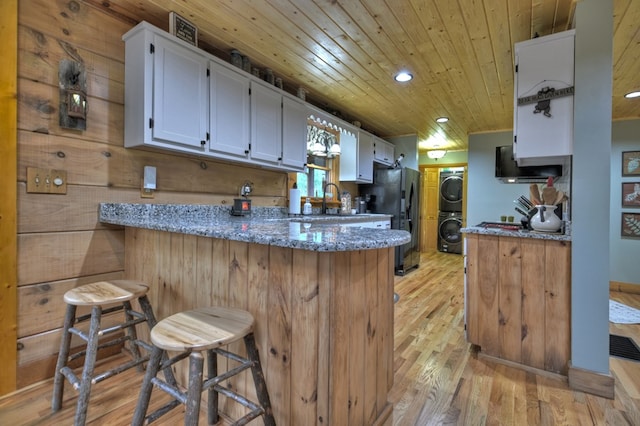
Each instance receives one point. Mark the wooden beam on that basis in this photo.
(8, 222)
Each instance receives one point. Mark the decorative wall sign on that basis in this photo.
(630, 225)
(72, 80)
(631, 194)
(631, 163)
(183, 29)
(543, 99)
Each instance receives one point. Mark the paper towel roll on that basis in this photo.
(294, 201)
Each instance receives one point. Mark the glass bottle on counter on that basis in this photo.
(345, 203)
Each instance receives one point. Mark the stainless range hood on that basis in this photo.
(507, 169)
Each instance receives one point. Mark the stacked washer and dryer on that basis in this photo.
(450, 216)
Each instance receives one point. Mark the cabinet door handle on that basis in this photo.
(203, 143)
(246, 151)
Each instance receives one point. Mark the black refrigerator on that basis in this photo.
(397, 192)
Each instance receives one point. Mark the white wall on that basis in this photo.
(407, 145)
(487, 197)
(624, 252)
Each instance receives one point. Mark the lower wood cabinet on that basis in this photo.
(518, 299)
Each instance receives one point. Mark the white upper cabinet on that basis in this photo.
(365, 157)
(543, 104)
(166, 96)
(383, 151)
(294, 134)
(229, 120)
(266, 123)
(278, 128)
(356, 159)
(181, 98)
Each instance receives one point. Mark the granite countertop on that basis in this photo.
(265, 225)
(517, 234)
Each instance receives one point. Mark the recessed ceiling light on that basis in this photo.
(632, 95)
(403, 76)
(442, 119)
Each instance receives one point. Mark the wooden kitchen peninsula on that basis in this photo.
(321, 294)
(518, 296)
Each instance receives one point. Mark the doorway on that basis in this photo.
(430, 202)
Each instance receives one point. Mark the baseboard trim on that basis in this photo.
(592, 382)
(527, 368)
(624, 287)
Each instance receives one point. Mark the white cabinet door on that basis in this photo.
(365, 157)
(229, 119)
(356, 159)
(180, 100)
(294, 134)
(266, 123)
(383, 152)
(543, 130)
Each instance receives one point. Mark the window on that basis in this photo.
(312, 183)
(323, 145)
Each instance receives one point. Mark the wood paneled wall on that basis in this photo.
(60, 242)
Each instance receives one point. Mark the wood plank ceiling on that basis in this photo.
(345, 53)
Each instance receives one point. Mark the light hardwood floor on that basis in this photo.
(439, 377)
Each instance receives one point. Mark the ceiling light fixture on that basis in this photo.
(403, 76)
(632, 94)
(442, 119)
(436, 154)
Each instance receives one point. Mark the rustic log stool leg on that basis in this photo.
(212, 371)
(133, 335)
(151, 321)
(63, 355)
(103, 297)
(190, 333)
(89, 365)
(258, 378)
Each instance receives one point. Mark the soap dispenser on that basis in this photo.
(307, 207)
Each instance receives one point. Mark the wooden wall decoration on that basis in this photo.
(631, 163)
(630, 225)
(72, 78)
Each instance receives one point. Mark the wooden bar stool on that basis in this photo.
(118, 294)
(190, 333)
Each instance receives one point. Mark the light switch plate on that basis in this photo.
(46, 181)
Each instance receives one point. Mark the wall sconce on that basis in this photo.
(76, 104)
(73, 95)
(436, 154)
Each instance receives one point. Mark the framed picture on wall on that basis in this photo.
(630, 225)
(630, 194)
(631, 163)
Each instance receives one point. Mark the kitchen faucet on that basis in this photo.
(324, 196)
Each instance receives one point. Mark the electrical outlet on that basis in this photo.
(145, 192)
(46, 181)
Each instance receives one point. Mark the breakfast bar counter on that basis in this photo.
(321, 294)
